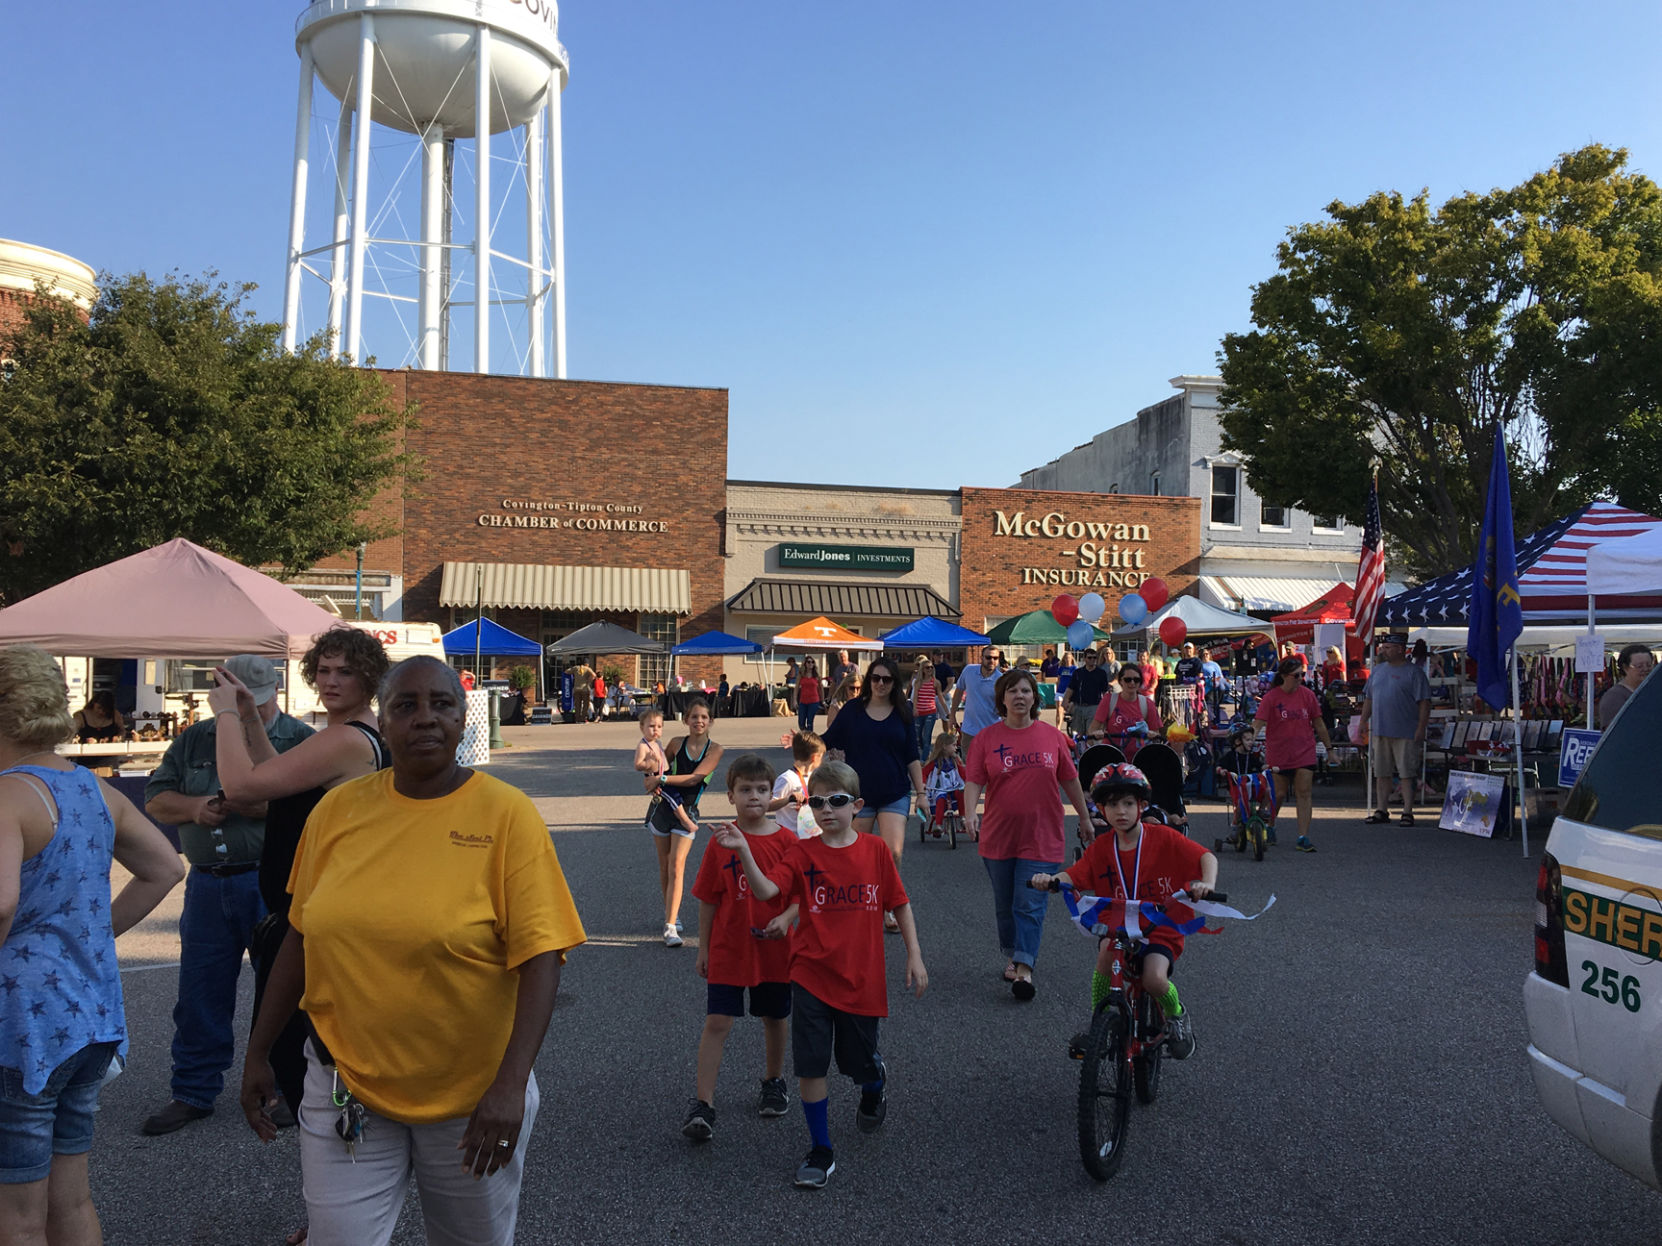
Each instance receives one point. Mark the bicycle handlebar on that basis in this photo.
(1222, 897)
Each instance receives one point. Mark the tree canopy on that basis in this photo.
(170, 411)
(1395, 336)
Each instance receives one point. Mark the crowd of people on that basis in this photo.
(407, 948)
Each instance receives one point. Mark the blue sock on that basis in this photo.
(819, 1125)
(874, 1088)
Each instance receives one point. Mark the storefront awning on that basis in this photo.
(1262, 594)
(537, 586)
(838, 599)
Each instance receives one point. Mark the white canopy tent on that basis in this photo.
(1631, 567)
(1200, 619)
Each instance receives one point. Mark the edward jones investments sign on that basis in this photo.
(846, 557)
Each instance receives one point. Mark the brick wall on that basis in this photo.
(484, 440)
(1070, 543)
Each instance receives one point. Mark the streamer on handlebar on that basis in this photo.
(1089, 913)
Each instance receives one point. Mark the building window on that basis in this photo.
(1274, 517)
(1327, 523)
(655, 666)
(1114, 488)
(1154, 487)
(1226, 497)
(763, 634)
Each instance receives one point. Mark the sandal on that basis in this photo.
(1407, 818)
(1376, 817)
(1010, 972)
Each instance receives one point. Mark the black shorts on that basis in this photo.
(818, 1031)
(1153, 949)
(767, 999)
(1290, 771)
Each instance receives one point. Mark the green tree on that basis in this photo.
(1396, 336)
(171, 411)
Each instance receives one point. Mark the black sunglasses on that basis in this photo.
(880, 679)
(836, 800)
(1132, 680)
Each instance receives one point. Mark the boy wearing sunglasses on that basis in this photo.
(742, 944)
(842, 883)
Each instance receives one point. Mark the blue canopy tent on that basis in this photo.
(930, 633)
(485, 638)
(715, 644)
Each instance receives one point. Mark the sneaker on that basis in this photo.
(776, 1100)
(1304, 844)
(671, 938)
(874, 1106)
(1077, 1045)
(700, 1124)
(175, 1115)
(1180, 1036)
(816, 1166)
(679, 928)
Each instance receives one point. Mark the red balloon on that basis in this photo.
(1173, 630)
(1064, 609)
(1154, 592)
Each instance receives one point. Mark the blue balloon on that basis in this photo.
(1133, 609)
(1091, 607)
(1081, 635)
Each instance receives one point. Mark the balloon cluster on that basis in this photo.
(1079, 616)
(1135, 607)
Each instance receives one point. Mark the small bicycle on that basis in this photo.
(1256, 804)
(1122, 1050)
(947, 824)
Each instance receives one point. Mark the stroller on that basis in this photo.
(1164, 770)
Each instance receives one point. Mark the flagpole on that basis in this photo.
(1517, 750)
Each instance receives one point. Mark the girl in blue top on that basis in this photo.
(61, 1019)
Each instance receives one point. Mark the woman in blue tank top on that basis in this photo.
(61, 1018)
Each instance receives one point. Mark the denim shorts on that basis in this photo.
(903, 806)
(57, 1121)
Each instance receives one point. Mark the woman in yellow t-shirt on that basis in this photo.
(429, 923)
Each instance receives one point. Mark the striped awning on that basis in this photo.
(837, 599)
(538, 586)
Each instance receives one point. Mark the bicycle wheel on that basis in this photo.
(1145, 1067)
(1256, 824)
(1104, 1094)
(952, 830)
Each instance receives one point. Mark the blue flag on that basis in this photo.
(1497, 609)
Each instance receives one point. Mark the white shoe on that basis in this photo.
(679, 928)
(671, 939)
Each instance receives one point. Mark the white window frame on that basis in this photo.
(1316, 524)
(1212, 496)
(1286, 524)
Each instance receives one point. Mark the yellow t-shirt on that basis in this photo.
(415, 913)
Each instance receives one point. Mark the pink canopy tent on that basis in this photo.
(177, 600)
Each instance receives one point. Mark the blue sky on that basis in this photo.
(921, 244)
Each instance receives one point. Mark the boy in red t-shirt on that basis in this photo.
(1140, 861)
(842, 883)
(742, 943)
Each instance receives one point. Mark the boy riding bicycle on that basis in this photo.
(1140, 861)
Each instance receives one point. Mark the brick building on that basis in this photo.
(1023, 547)
(25, 268)
(555, 503)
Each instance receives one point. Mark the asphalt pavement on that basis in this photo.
(1360, 1075)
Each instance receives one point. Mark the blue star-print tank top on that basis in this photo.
(60, 986)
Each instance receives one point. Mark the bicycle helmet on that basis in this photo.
(1119, 778)
(1239, 728)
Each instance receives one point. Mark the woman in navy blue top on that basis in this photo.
(61, 1019)
(874, 735)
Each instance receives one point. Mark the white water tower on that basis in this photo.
(412, 78)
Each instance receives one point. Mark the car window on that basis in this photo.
(1621, 789)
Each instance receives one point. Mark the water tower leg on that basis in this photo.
(360, 188)
(557, 197)
(432, 233)
(482, 206)
(533, 243)
(297, 202)
(337, 253)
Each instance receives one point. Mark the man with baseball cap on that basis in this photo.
(1396, 705)
(222, 840)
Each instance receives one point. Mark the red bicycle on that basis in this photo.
(1123, 1048)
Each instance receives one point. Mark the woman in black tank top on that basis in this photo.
(345, 666)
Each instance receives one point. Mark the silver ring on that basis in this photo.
(504, 1144)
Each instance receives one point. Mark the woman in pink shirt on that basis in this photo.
(1020, 762)
(1123, 708)
(1292, 718)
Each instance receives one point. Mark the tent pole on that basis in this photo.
(479, 613)
(1517, 750)
(1592, 630)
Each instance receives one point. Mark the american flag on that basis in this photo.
(1370, 571)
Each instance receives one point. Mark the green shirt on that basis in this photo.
(190, 767)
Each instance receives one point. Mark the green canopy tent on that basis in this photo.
(1037, 627)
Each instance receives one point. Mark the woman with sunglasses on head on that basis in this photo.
(1020, 762)
(1126, 705)
(873, 733)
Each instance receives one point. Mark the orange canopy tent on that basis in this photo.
(822, 633)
